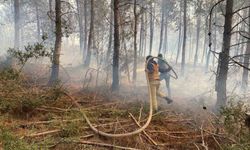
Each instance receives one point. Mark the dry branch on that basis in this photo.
(50, 121)
(43, 133)
(105, 145)
(144, 132)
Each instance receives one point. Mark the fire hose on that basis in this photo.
(129, 133)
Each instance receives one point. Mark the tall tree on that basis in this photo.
(165, 41)
(111, 31)
(215, 37)
(135, 42)
(151, 27)
(17, 23)
(184, 38)
(198, 28)
(222, 70)
(91, 34)
(142, 33)
(85, 29)
(80, 25)
(204, 42)
(162, 24)
(210, 41)
(246, 58)
(115, 82)
(145, 35)
(58, 44)
(38, 22)
(242, 46)
(51, 35)
(180, 33)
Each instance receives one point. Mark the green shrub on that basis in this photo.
(70, 129)
(234, 122)
(55, 92)
(9, 74)
(10, 142)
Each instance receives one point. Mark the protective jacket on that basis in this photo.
(153, 71)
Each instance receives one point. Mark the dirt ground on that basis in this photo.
(185, 124)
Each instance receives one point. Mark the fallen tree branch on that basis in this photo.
(105, 145)
(144, 132)
(94, 129)
(50, 121)
(43, 133)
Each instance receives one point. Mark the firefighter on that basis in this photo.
(164, 73)
(152, 70)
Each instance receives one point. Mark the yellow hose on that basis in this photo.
(122, 134)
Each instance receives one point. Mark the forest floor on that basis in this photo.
(34, 116)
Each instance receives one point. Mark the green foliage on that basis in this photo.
(22, 104)
(10, 142)
(55, 92)
(19, 99)
(29, 101)
(234, 122)
(70, 129)
(36, 51)
(9, 74)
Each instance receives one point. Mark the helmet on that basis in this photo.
(148, 57)
(160, 55)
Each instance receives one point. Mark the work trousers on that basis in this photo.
(166, 77)
(154, 89)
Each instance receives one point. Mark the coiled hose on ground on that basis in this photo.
(121, 134)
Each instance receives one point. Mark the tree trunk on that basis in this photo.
(17, 23)
(91, 34)
(184, 38)
(151, 28)
(205, 43)
(142, 36)
(179, 39)
(246, 59)
(165, 41)
(111, 32)
(51, 34)
(208, 60)
(115, 82)
(135, 44)
(221, 79)
(190, 44)
(197, 39)
(80, 25)
(145, 35)
(85, 29)
(57, 50)
(126, 54)
(38, 23)
(215, 37)
(162, 25)
(179, 44)
(242, 46)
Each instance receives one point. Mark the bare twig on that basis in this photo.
(202, 136)
(196, 146)
(87, 136)
(144, 132)
(140, 114)
(105, 145)
(43, 133)
(50, 121)
(217, 143)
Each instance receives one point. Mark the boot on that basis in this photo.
(168, 100)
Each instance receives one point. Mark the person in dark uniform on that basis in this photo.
(164, 73)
